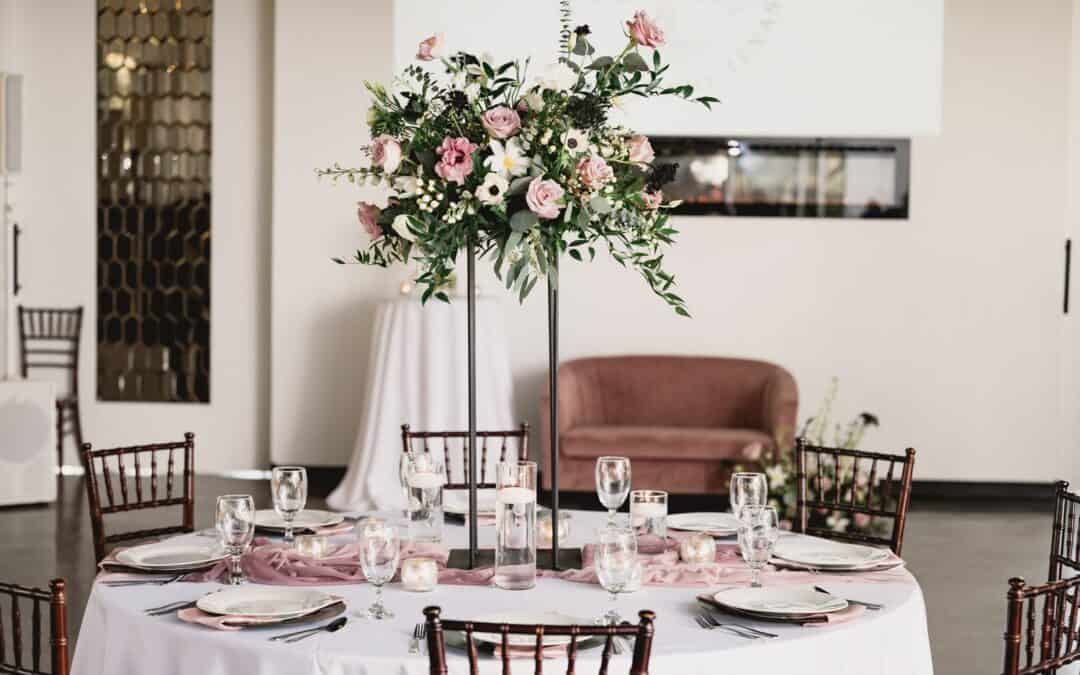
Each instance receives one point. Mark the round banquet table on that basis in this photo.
(116, 638)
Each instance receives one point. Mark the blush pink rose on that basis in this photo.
(862, 521)
(386, 153)
(594, 172)
(652, 200)
(429, 48)
(644, 30)
(544, 198)
(369, 219)
(501, 122)
(641, 149)
(455, 159)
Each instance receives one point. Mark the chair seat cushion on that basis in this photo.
(659, 443)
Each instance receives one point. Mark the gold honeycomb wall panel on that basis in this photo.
(154, 62)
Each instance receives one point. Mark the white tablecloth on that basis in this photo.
(419, 370)
(117, 639)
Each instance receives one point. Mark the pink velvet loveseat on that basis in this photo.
(683, 421)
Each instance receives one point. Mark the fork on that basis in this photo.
(737, 628)
(707, 625)
(170, 608)
(143, 582)
(872, 606)
(418, 634)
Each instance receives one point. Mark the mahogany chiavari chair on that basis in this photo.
(28, 660)
(143, 491)
(642, 633)
(852, 483)
(1065, 539)
(502, 439)
(1038, 641)
(49, 338)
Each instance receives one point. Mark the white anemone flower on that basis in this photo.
(493, 190)
(507, 159)
(575, 141)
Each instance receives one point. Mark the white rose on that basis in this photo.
(558, 76)
(405, 186)
(401, 226)
(535, 101)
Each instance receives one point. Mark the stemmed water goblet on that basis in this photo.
(236, 527)
(380, 553)
(748, 488)
(288, 485)
(616, 559)
(759, 528)
(612, 483)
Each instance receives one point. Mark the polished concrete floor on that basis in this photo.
(962, 554)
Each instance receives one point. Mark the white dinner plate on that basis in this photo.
(549, 618)
(786, 601)
(824, 554)
(716, 524)
(261, 602)
(308, 519)
(171, 555)
(457, 502)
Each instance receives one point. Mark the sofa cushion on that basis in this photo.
(659, 443)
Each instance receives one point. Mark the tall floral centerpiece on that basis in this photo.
(519, 164)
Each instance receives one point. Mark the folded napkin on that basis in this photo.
(852, 611)
(227, 621)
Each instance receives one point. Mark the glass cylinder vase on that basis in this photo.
(515, 525)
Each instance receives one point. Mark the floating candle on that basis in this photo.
(419, 575)
(698, 548)
(312, 545)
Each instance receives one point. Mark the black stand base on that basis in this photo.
(569, 558)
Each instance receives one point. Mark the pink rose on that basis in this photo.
(752, 452)
(455, 159)
(641, 149)
(862, 521)
(501, 122)
(430, 48)
(644, 30)
(369, 218)
(652, 200)
(594, 172)
(544, 197)
(386, 153)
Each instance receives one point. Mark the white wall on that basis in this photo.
(57, 208)
(828, 67)
(947, 325)
(322, 312)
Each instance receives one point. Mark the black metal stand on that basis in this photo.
(471, 459)
(553, 403)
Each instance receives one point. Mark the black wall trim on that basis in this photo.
(323, 479)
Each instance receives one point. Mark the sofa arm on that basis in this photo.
(781, 408)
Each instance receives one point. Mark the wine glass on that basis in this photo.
(748, 488)
(612, 483)
(289, 487)
(380, 552)
(236, 527)
(616, 558)
(759, 528)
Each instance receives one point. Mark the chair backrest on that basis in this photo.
(861, 485)
(642, 632)
(451, 441)
(137, 486)
(49, 338)
(23, 660)
(1039, 640)
(1065, 539)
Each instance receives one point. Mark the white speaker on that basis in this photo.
(10, 123)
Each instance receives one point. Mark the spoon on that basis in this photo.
(334, 626)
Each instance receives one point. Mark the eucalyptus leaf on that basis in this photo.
(523, 220)
(519, 186)
(600, 63)
(633, 61)
(581, 46)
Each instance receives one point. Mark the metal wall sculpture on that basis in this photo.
(153, 169)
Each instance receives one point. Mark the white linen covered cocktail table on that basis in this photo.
(116, 638)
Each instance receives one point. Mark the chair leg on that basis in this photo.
(77, 415)
(59, 434)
